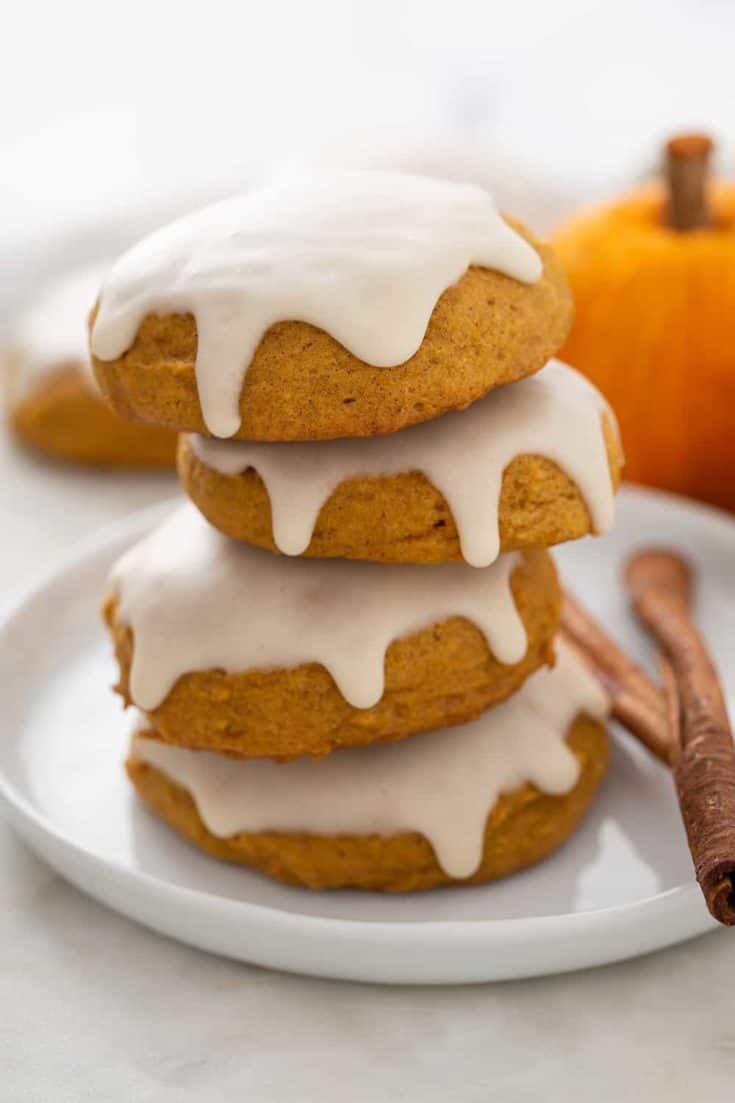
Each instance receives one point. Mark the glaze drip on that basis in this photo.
(362, 255)
(556, 413)
(196, 600)
(442, 784)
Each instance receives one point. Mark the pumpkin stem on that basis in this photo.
(687, 170)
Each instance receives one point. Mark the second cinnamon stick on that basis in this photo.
(636, 702)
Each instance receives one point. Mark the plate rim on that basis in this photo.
(682, 902)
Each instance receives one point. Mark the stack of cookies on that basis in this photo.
(343, 648)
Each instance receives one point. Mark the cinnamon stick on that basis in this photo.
(635, 700)
(672, 705)
(660, 585)
(686, 170)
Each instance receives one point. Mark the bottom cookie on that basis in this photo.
(523, 827)
(457, 805)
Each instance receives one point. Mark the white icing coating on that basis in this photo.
(442, 784)
(363, 255)
(52, 334)
(556, 413)
(196, 600)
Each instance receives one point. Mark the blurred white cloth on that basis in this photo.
(173, 102)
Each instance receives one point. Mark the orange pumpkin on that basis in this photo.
(655, 330)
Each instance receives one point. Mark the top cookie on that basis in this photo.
(352, 305)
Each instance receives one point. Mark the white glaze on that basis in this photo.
(362, 255)
(52, 333)
(556, 413)
(442, 784)
(196, 600)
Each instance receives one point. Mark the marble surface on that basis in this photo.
(95, 1008)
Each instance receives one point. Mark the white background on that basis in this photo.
(106, 106)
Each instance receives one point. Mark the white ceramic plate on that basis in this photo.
(622, 886)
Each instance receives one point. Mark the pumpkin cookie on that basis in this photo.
(65, 419)
(233, 649)
(530, 465)
(53, 402)
(347, 308)
(505, 790)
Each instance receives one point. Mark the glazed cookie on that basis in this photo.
(229, 648)
(348, 306)
(505, 791)
(527, 466)
(53, 402)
